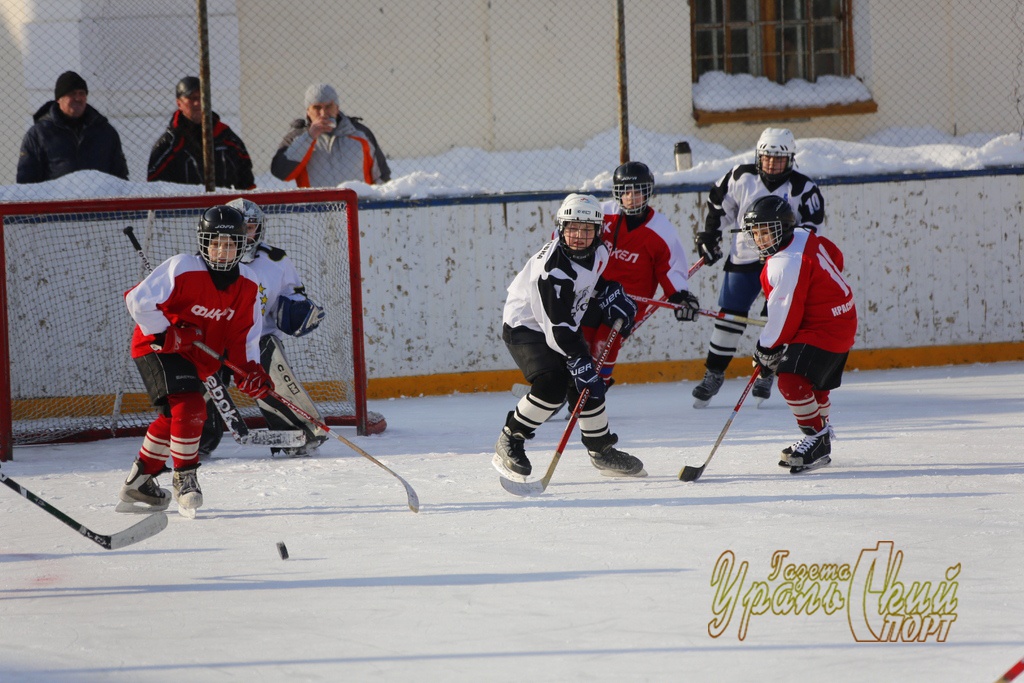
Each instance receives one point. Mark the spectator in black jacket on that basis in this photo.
(68, 136)
(177, 157)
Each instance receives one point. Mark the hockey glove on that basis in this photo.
(709, 246)
(255, 383)
(581, 369)
(298, 317)
(615, 304)
(689, 306)
(177, 339)
(768, 359)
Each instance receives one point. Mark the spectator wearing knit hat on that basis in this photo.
(177, 156)
(69, 135)
(327, 147)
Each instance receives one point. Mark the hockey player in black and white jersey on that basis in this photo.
(772, 173)
(286, 310)
(541, 329)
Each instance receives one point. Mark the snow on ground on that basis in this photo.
(599, 579)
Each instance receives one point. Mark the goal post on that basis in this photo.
(65, 368)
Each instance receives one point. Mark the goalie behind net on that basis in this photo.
(68, 265)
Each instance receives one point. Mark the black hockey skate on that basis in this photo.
(813, 452)
(510, 456)
(611, 461)
(762, 389)
(187, 491)
(141, 492)
(707, 388)
(788, 450)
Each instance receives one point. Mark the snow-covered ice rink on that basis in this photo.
(599, 579)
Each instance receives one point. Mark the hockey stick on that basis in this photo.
(533, 488)
(693, 473)
(414, 501)
(150, 526)
(1012, 672)
(217, 394)
(711, 314)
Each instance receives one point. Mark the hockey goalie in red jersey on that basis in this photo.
(811, 324)
(209, 297)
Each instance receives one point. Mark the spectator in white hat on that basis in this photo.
(327, 147)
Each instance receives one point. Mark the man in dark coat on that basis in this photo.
(68, 136)
(177, 157)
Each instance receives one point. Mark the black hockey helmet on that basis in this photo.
(770, 222)
(633, 175)
(217, 222)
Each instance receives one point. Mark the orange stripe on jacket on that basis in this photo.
(299, 175)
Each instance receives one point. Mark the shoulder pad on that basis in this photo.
(273, 253)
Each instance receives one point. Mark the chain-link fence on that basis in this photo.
(461, 95)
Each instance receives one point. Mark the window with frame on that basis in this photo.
(780, 40)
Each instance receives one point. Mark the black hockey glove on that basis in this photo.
(768, 359)
(709, 245)
(690, 306)
(581, 368)
(615, 304)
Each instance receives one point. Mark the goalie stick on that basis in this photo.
(534, 488)
(150, 526)
(689, 473)
(413, 499)
(217, 394)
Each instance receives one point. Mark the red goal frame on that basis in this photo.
(363, 423)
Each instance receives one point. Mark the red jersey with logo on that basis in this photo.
(645, 257)
(180, 290)
(809, 301)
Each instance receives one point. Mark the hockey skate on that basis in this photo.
(813, 452)
(707, 388)
(510, 456)
(303, 451)
(142, 493)
(788, 450)
(187, 491)
(611, 461)
(762, 389)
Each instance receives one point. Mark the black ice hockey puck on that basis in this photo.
(282, 550)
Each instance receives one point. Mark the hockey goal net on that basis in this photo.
(65, 370)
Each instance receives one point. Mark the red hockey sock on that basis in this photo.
(802, 399)
(188, 413)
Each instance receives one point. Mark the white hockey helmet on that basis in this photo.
(254, 220)
(579, 208)
(776, 142)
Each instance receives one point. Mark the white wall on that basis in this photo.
(932, 262)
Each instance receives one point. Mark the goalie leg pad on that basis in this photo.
(278, 416)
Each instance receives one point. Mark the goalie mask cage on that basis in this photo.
(65, 369)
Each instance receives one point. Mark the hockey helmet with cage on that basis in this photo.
(776, 142)
(217, 222)
(770, 222)
(254, 220)
(579, 208)
(633, 176)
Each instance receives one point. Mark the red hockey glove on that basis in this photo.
(255, 383)
(178, 339)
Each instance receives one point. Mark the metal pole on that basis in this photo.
(209, 173)
(620, 45)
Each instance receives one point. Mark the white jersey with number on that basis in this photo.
(550, 295)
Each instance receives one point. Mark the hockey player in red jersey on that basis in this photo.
(811, 323)
(540, 327)
(645, 253)
(207, 297)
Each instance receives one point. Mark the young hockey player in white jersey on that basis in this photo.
(208, 297)
(811, 325)
(645, 253)
(773, 172)
(541, 329)
(285, 309)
